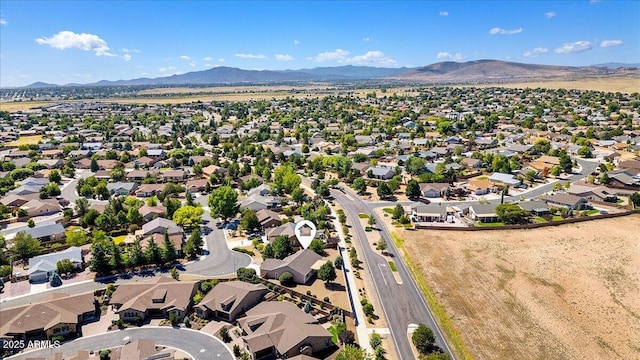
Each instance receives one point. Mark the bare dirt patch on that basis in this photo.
(566, 292)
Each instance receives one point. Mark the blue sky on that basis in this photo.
(87, 41)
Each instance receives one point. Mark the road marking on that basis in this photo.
(202, 350)
(348, 197)
(381, 273)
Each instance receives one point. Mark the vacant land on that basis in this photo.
(567, 292)
(621, 84)
(26, 140)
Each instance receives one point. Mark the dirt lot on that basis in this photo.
(566, 292)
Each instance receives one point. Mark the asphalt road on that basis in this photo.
(402, 304)
(197, 344)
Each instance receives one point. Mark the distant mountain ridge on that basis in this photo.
(616, 65)
(442, 72)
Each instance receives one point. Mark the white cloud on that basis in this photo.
(3, 21)
(284, 57)
(185, 57)
(550, 14)
(499, 31)
(208, 58)
(610, 43)
(70, 40)
(250, 56)
(574, 47)
(337, 55)
(444, 13)
(126, 57)
(221, 60)
(535, 52)
(366, 39)
(449, 56)
(127, 51)
(296, 42)
(372, 58)
(166, 69)
(192, 64)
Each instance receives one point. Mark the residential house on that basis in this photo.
(149, 213)
(286, 229)
(140, 175)
(381, 172)
(174, 238)
(13, 201)
(481, 186)
(227, 300)
(54, 315)
(174, 175)
(268, 218)
(140, 349)
(429, 213)
(302, 265)
(506, 179)
(161, 226)
(484, 213)
(157, 297)
(43, 266)
(535, 207)
(434, 190)
(41, 207)
(51, 163)
(279, 329)
(148, 190)
(568, 201)
(594, 193)
(121, 188)
(196, 185)
(472, 163)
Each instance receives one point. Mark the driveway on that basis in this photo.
(198, 345)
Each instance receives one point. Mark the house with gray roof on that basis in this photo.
(381, 172)
(43, 266)
(535, 207)
(507, 179)
(484, 213)
(302, 265)
(568, 201)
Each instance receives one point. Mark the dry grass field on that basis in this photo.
(566, 292)
(26, 140)
(246, 93)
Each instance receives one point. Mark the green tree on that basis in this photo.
(25, 246)
(133, 216)
(136, 255)
(415, 165)
(188, 216)
(55, 177)
(99, 256)
(327, 272)
(359, 185)
(223, 202)
(398, 211)
(317, 246)
(153, 254)
(94, 165)
(413, 189)
(82, 206)
(371, 220)
(384, 191)
(635, 199)
(585, 152)
(171, 205)
(338, 262)
(368, 309)
(175, 274)
(249, 221)
(116, 261)
(64, 266)
(189, 198)
(168, 250)
(282, 247)
(423, 339)
(511, 214)
(285, 179)
(31, 223)
(382, 245)
(224, 335)
(297, 195)
(352, 352)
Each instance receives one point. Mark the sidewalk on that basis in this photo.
(361, 327)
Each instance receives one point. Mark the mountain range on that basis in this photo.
(442, 72)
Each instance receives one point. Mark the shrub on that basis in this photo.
(5, 270)
(286, 279)
(236, 350)
(244, 251)
(197, 298)
(59, 338)
(224, 335)
(338, 262)
(326, 299)
(347, 337)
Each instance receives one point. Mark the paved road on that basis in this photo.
(402, 304)
(197, 344)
